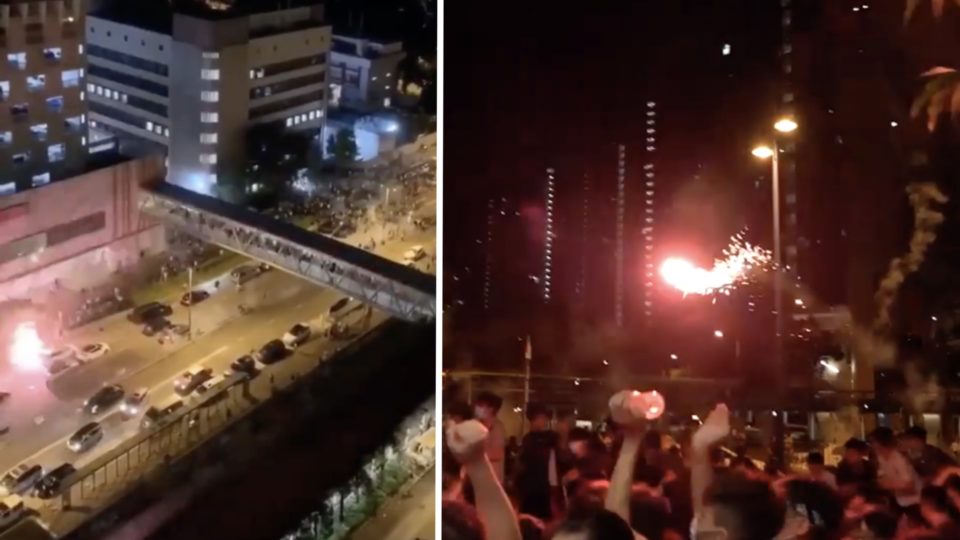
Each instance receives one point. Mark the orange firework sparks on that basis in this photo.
(26, 348)
(739, 261)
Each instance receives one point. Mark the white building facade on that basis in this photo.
(195, 86)
(364, 72)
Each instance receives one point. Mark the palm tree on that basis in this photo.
(941, 92)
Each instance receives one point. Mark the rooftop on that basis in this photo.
(157, 15)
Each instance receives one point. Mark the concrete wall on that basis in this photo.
(87, 259)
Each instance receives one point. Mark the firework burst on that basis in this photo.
(740, 262)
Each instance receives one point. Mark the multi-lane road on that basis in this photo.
(41, 420)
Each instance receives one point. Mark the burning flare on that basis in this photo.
(739, 261)
(26, 348)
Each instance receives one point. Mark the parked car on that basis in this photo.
(103, 399)
(92, 351)
(209, 384)
(159, 415)
(86, 437)
(245, 273)
(340, 306)
(21, 478)
(194, 297)
(245, 364)
(190, 379)
(152, 310)
(296, 336)
(12, 510)
(273, 351)
(50, 485)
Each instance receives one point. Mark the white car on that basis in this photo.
(414, 254)
(296, 336)
(207, 385)
(92, 351)
(134, 402)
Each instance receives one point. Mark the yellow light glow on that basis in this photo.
(785, 125)
(762, 152)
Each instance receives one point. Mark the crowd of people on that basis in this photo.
(625, 483)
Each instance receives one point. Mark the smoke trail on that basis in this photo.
(926, 220)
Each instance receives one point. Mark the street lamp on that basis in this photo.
(785, 126)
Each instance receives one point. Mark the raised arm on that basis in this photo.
(466, 442)
(621, 481)
(715, 428)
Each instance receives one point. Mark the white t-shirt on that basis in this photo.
(896, 468)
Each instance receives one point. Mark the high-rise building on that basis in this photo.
(363, 71)
(192, 81)
(43, 133)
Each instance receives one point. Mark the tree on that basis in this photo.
(343, 147)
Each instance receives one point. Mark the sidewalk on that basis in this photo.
(409, 515)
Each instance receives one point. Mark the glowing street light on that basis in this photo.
(718, 334)
(785, 125)
(674, 357)
(762, 152)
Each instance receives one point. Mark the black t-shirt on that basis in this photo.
(864, 474)
(533, 480)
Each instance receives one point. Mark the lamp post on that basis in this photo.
(784, 126)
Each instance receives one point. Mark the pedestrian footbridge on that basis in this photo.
(392, 287)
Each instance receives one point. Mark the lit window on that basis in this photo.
(209, 117)
(166, 132)
(91, 87)
(208, 159)
(149, 125)
(17, 60)
(726, 49)
(71, 77)
(289, 122)
(80, 48)
(6, 137)
(313, 114)
(56, 152)
(210, 96)
(212, 178)
(98, 90)
(208, 138)
(210, 74)
(40, 179)
(211, 55)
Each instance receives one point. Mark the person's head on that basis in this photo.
(566, 421)
(936, 507)
(649, 515)
(815, 462)
(459, 411)
(592, 524)
(486, 406)
(915, 438)
(652, 445)
(882, 524)
(459, 521)
(538, 415)
(745, 507)
(855, 451)
(883, 441)
(579, 442)
(814, 510)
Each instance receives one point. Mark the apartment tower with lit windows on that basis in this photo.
(192, 81)
(43, 130)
